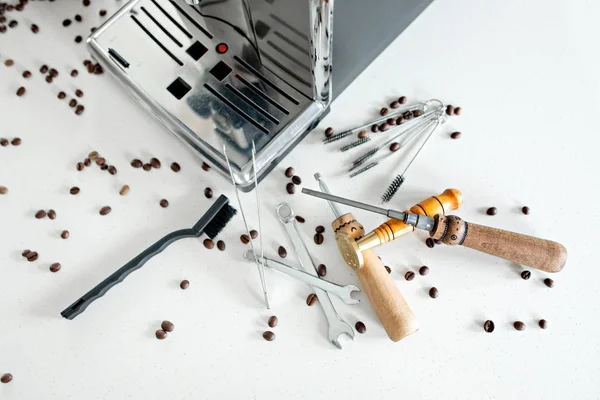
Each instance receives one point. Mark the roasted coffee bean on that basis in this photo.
(374, 128)
(282, 252)
(268, 336)
(104, 167)
(40, 214)
(520, 326)
(25, 253)
(395, 104)
(409, 276)
(78, 18)
(53, 72)
(124, 190)
(6, 378)
(290, 188)
(16, 141)
(184, 284)
(105, 210)
(384, 127)
(102, 13)
(74, 73)
(543, 323)
(4, 142)
(424, 270)
(86, 3)
(78, 93)
(55, 267)
(320, 229)
(383, 112)
(455, 135)
(79, 110)
(78, 39)
(74, 190)
(318, 238)
(31, 257)
(402, 100)
(66, 22)
(80, 166)
(407, 115)
(87, 162)
(44, 69)
(160, 334)
(492, 211)
(93, 155)
(394, 146)
(112, 170)
(322, 270)
(136, 163)
(20, 91)
(208, 193)
(64, 234)
(449, 110)
(253, 233)
(300, 219)
(360, 327)
(61, 95)
(489, 326)
(399, 120)
(329, 132)
(289, 172)
(175, 167)
(52, 214)
(362, 134)
(9, 63)
(417, 113)
(90, 68)
(221, 245)
(549, 282)
(155, 163)
(388, 269)
(209, 244)
(273, 321)
(3, 190)
(525, 210)
(72, 103)
(429, 242)
(434, 293)
(2, 28)
(147, 167)
(245, 239)
(457, 111)
(164, 203)
(167, 326)
(526, 275)
(311, 299)
(391, 121)
(26, 74)
(296, 180)
(205, 166)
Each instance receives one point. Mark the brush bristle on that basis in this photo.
(355, 144)
(392, 189)
(220, 220)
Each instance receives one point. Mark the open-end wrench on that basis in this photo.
(337, 326)
(343, 292)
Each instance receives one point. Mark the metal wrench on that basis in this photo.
(343, 292)
(337, 326)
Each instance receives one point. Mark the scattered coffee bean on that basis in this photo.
(409, 276)
(394, 146)
(175, 167)
(102, 13)
(395, 104)
(449, 110)
(53, 72)
(86, 3)
(417, 113)
(78, 39)
(16, 141)
(268, 336)
(104, 167)
(455, 135)
(320, 229)
(87, 162)
(32, 256)
(208, 193)
(520, 326)
(21, 91)
(391, 121)
(78, 93)
(40, 214)
(400, 120)
(184, 284)
(25, 253)
(136, 163)
(105, 210)
(209, 244)
(221, 245)
(434, 293)
(52, 214)
(78, 18)
(93, 155)
(6, 378)
(329, 132)
(64, 234)
(74, 190)
(124, 190)
(374, 128)
(525, 210)
(388, 269)
(311, 299)
(66, 22)
(155, 163)
(79, 110)
(526, 275)
(205, 166)
(167, 326)
(457, 111)
(318, 238)
(362, 134)
(253, 233)
(9, 63)
(160, 334)
(296, 180)
(245, 239)
(289, 172)
(489, 326)
(282, 252)
(74, 73)
(273, 321)
(164, 203)
(35, 28)
(402, 100)
(543, 323)
(90, 68)
(44, 69)
(492, 211)
(300, 219)
(26, 74)
(290, 188)
(407, 115)
(112, 170)
(430, 243)
(72, 103)
(4, 142)
(549, 282)
(147, 167)
(3, 190)
(61, 95)
(360, 327)
(424, 270)
(322, 270)
(55, 267)
(384, 127)
(383, 112)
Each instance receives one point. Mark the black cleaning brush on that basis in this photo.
(392, 189)
(211, 223)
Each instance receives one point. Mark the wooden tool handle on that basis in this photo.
(534, 252)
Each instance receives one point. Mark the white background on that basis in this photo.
(526, 76)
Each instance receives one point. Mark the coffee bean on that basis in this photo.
(164, 203)
(282, 252)
(374, 128)
(399, 120)
(434, 293)
(79, 110)
(53, 72)
(3, 190)
(66, 22)
(268, 336)
(329, 132)
(383, 112)
(391, 121)
(184, 284)
(409, 276)
(175, 167)
(167, 326)
(87, 162)
(407, 115)
(429, 242)
(208, 193)
(384, 127)
(31, 257)
(44, 69)
(64, 234)
(395, 104)
(300, 219)
(6, 378)
(9, 63)
(543, 323)
(102, 13)
(253, 234)
(105, 210)
(52, 214)
(124, 190)
(104, 167)
(489, 326)
(55, 267)
(424, 270)
(273, 321)
(417, 113)
(160, 334)
(61, 95)
(318, 238)
(78, 93)
(16, 141)
(520, 326)
(112, 170)
(549, 282)
(147, 167)
(455, 135)
(78, 39)
(136, 163)
(449, 110)
(322, 270)
(492, 211)
(320, 229)
(72, 103)
(86, 3)
(360, 327)
(525, 210)
(289, 172)
(25, 252)
(93, 155)
(526, 275)
(296, 180)
(21, 91)
(205, 166)
(90, 68)
(40, 214)
(221, 245)
(290, 188)
(245, 239)
(402, 100)
(388, 269)
(78, 18)
(74, 190)
(209, 244)
(457, 111)
(155, 163)
(362, 134)
(394, 146)
(311, 299)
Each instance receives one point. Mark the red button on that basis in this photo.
(222, 48)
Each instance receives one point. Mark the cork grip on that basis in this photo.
(390, 306)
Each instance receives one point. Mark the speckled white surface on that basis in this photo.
(527, 78)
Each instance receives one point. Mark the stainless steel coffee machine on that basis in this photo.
(240, 71)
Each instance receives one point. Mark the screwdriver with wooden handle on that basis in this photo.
(534, 252)
(386, 299)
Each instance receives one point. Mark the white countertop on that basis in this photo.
(527, 79)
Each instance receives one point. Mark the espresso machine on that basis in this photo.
(243, 72)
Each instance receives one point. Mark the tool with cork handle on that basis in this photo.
(386, 299)
(534, 252)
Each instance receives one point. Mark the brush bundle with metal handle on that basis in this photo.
(211, 223)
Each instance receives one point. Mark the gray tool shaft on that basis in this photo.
(325, 189)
